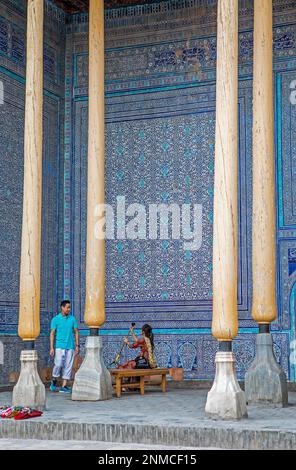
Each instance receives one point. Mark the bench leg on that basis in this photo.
(163, 383)
(118, 387)
(142, 390)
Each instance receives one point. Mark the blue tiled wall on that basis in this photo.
(12, 76)
(160, 120)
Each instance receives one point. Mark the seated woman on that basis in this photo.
(146, 344)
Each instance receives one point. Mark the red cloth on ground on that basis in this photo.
(28, 414)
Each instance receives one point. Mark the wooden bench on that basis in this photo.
(142, 374)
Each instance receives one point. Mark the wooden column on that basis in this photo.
(29, 316)
(226, 400)
(225, 321)
(95, 255)
(265, 381)
(264, 225)
(93, 380)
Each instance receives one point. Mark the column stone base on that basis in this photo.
(92, 380)
(265, 381)
(226, 400)
(29, 390)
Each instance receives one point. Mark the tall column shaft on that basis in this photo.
(225, 322)
(264, 225)
(93, 381)
(95, 255)
(29, 389)
(226, 400)
(29, 317)
(265, 381)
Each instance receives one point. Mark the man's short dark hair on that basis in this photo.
(65, 302)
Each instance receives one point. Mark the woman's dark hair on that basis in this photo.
(147, 329)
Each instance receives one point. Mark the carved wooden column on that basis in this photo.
(29, 390)
(226, 400)
(93, 381)
(265, 381)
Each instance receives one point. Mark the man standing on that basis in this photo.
(64, 327)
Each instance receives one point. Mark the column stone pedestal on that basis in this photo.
(265, 381)
(29, 390)
(226, 400)
(92, 381)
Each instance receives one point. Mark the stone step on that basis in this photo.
(198, 436)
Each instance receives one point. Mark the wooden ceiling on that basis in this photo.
(75, 6)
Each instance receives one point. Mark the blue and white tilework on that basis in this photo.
(160, 133)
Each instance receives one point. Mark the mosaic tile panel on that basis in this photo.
(12, 77)
(160, 108)
(159, 147)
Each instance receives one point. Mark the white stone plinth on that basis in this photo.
(226, 400)
(92, 380)
(29, 390)
(265, 381)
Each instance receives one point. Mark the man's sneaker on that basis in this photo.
(53, 387)
(65, 390)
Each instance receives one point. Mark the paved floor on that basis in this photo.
(181, 407)
(181, 411)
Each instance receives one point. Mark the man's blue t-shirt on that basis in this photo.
(63, 326)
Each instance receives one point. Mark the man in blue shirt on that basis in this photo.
(64, 329)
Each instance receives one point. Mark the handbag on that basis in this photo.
(141, 363)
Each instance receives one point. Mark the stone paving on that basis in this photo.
(176, 418)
